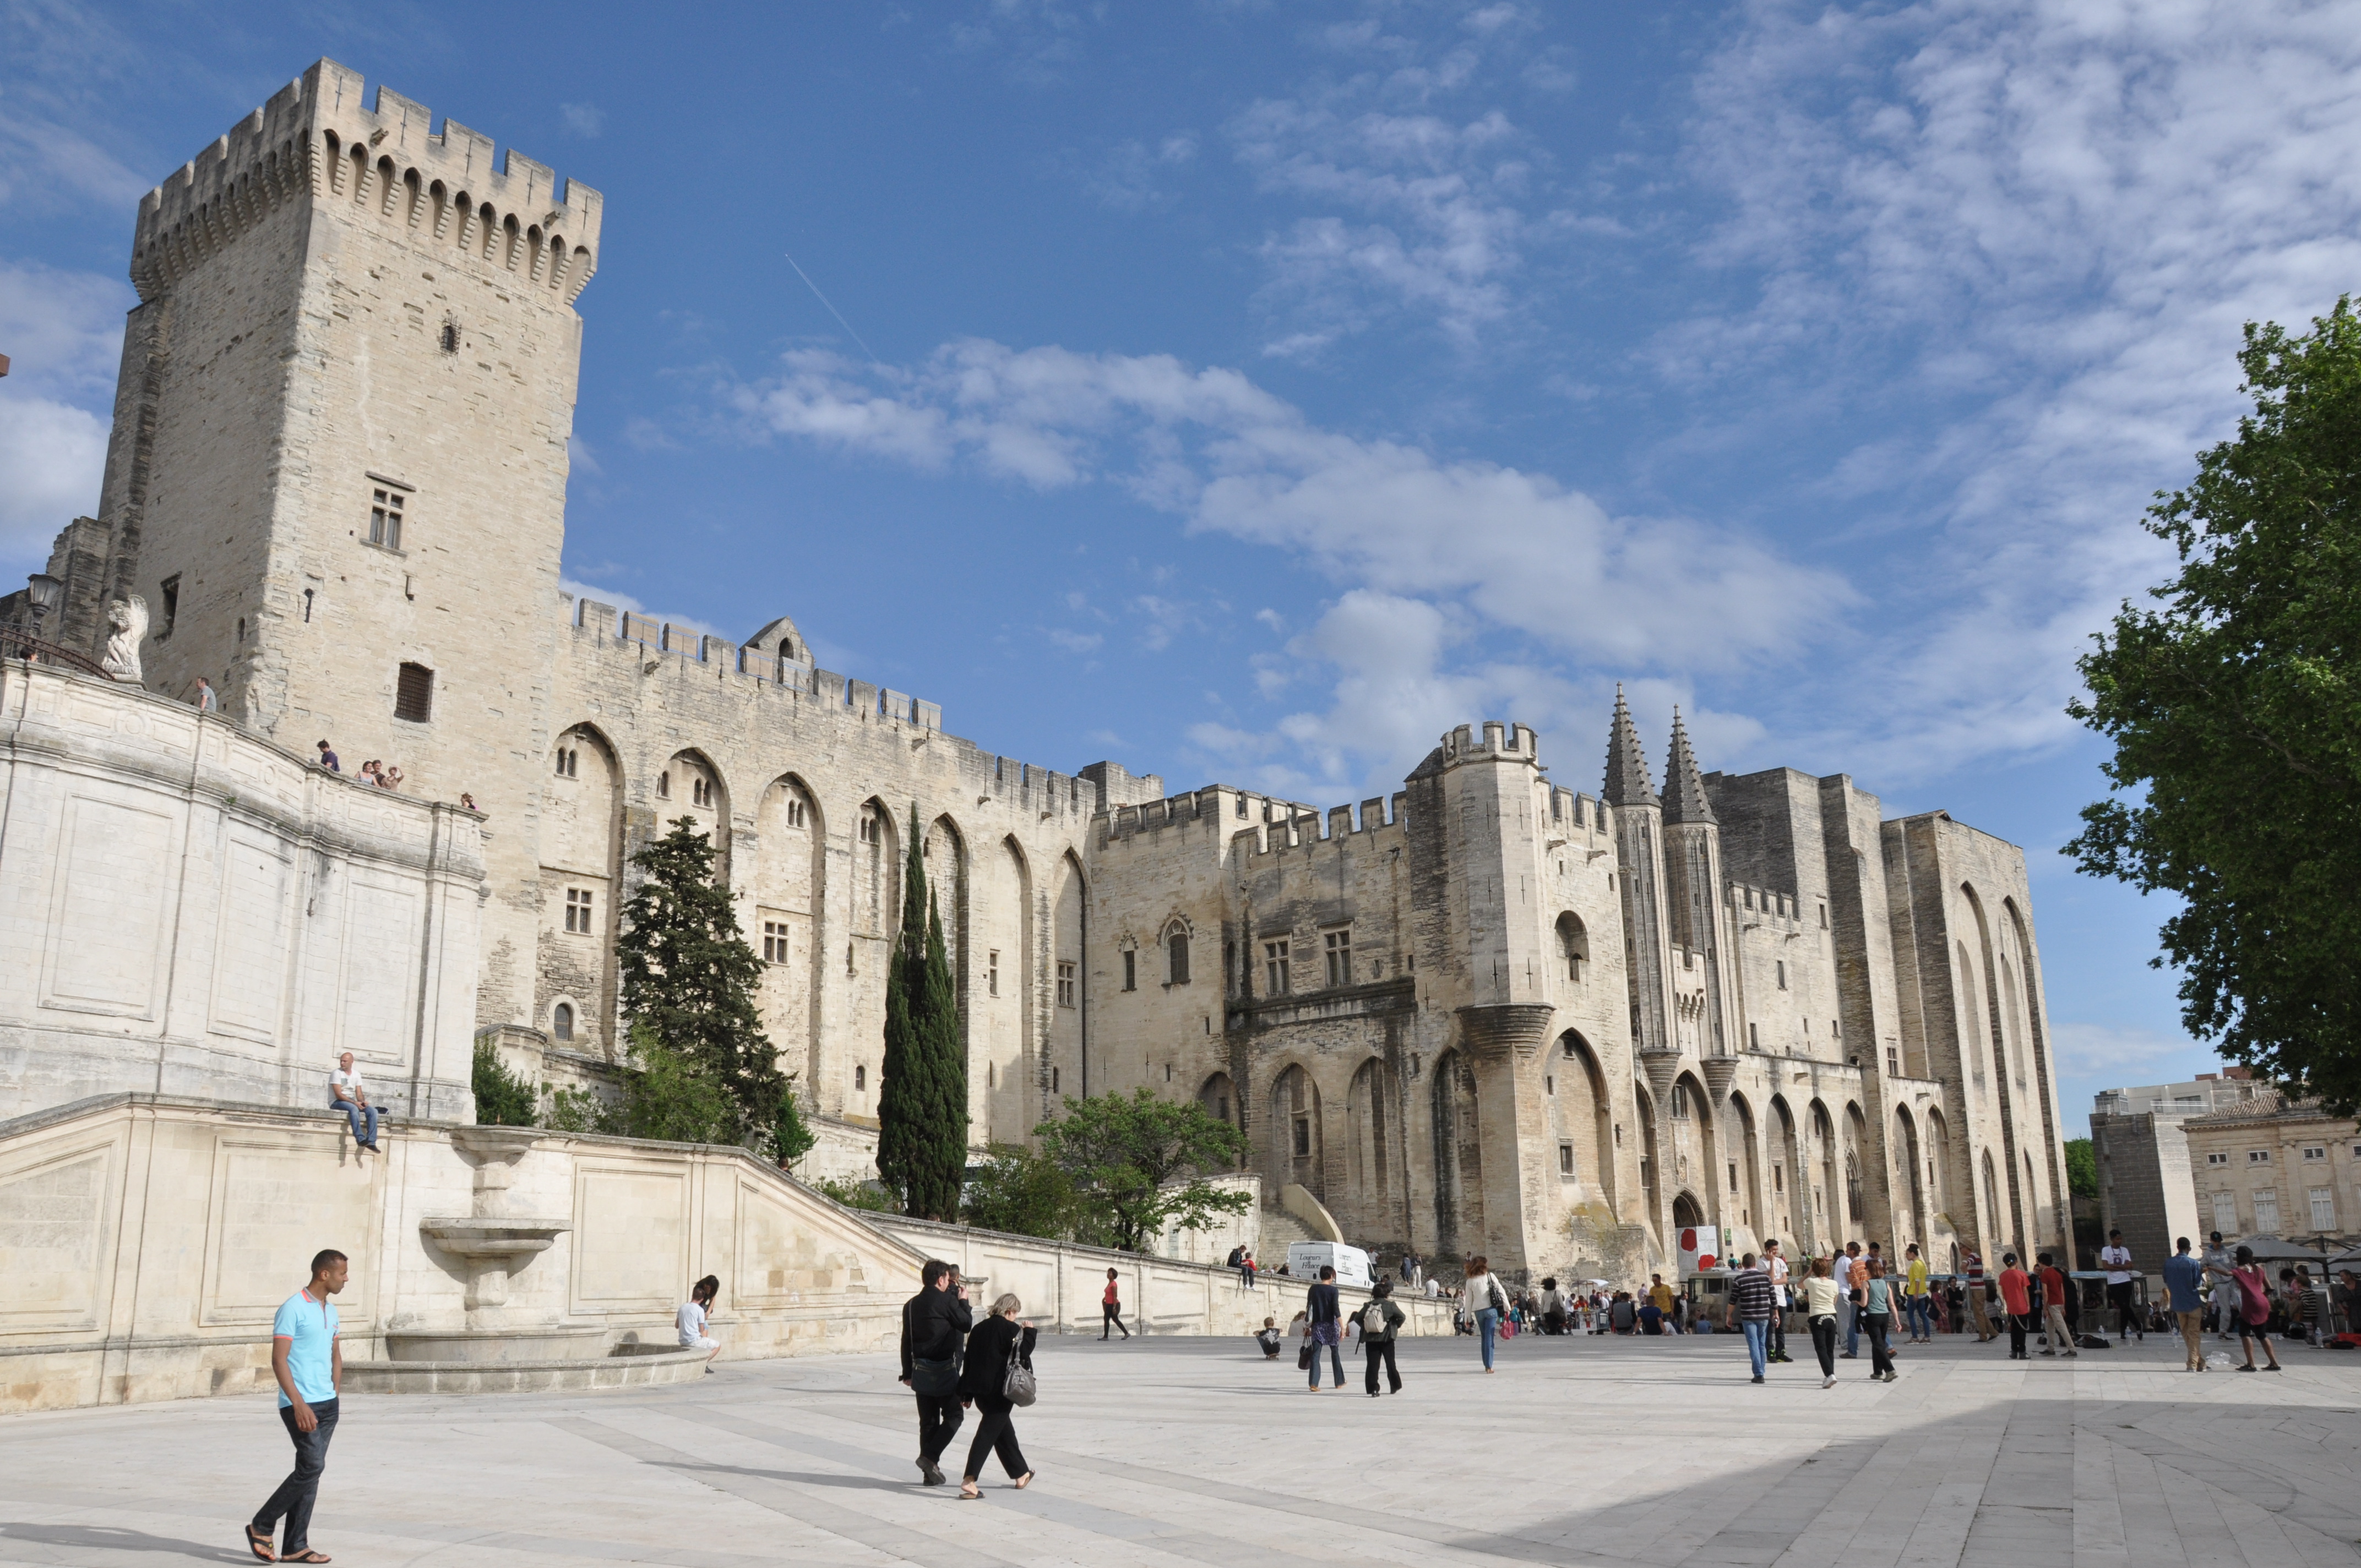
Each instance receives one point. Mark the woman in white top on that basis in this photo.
(690, 1320)
(1484, 1304)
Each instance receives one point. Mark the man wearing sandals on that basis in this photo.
(308, 1363)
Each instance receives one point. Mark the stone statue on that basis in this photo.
(127, 626)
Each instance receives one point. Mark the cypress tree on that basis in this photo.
(904, 1091)
(942, 1144)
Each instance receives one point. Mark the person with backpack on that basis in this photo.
(1484, 1302)
(2254, 1314)
(1324, 1311)
(935, 1324)
(998, 1349)
(1379, 1322)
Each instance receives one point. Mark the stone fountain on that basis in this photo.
(493, 1244)
(502, 1348)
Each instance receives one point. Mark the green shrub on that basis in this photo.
(503, 1099)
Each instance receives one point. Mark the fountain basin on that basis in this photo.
(553, 1375)
(555, 1342)
(500, 1239)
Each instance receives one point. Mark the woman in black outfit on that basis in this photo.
(990, 1347)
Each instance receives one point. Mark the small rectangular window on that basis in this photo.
(1131, 971)
(1339, 949)
(992, 974)
(577, 910)
(413, 694)
(1781, 965)
(2258, 1157)
(386, 504)
(1065, 985)
(1566, 1159)
(2217, 1159)
(2321, 1153)
(1274, 957)
(774, 942)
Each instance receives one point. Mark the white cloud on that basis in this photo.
(1431, 553)
(63, 334)
(582, 119)
(50, 454)
(1435, 224)
(617, 600)
(2039, 224)
(2089, 1050)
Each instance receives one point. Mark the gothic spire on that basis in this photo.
(1627, 767)
(1685, 796)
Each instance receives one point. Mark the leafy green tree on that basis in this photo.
(2082, 1168)
(922, 1088)
(1128, 1156)
(1023, 1192)
(2234, 708)
(502, 1097)
(704, 1071)
(866, 1195)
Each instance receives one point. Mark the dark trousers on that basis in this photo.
(1878, 1325)
(1374, 1352)
(1113, 1316)
(939, 1422)
(294, 1499)
(1824, 1344)
(2119, 1297)
(1778, 1330)
(997, 1434)
(2016, 1327)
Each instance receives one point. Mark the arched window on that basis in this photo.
(1573, 946)
(561, 1021)
(664, 787)
(1176, 951)
(860, 1079)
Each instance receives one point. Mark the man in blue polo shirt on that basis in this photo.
(308, 1365)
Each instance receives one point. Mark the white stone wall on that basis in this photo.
(147, 1242)
(194, 911)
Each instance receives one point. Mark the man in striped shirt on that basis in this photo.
(1750, 1309)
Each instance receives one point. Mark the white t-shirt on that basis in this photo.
(2117, 1261)
(1778, 1272)
(348, 1085)
(691, 1322)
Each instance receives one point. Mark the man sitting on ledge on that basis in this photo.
(347, 1093)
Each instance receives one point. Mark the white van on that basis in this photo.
(1305, 1259)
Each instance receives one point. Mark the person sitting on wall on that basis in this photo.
(347, 1093)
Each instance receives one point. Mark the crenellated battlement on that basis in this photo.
(1501, 741)
(1573, 810)
(1765, 906)
(316, 138)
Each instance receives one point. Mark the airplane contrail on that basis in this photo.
(833, 310)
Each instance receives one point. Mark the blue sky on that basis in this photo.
(1254, 391)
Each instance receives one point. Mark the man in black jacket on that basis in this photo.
(935, 1323)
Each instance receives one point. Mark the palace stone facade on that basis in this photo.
(1488, 1013)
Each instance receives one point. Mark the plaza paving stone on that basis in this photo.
(1188, 1452)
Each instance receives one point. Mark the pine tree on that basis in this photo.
(689, 981)
(904, 1092)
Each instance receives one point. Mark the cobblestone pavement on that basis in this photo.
(1191, 1452)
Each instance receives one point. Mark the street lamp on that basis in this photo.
(45, 593)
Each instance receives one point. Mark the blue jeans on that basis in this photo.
(1758, 1340)
(353, 1114)
(1335, 1360)
(1849, 1318)
(294, 1499)
(1918, 1312)
(1487, 1324)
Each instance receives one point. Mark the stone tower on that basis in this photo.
(1638, 829)
(338, 467)
(1693, 908)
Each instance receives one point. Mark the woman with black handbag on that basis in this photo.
(998, 1378)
